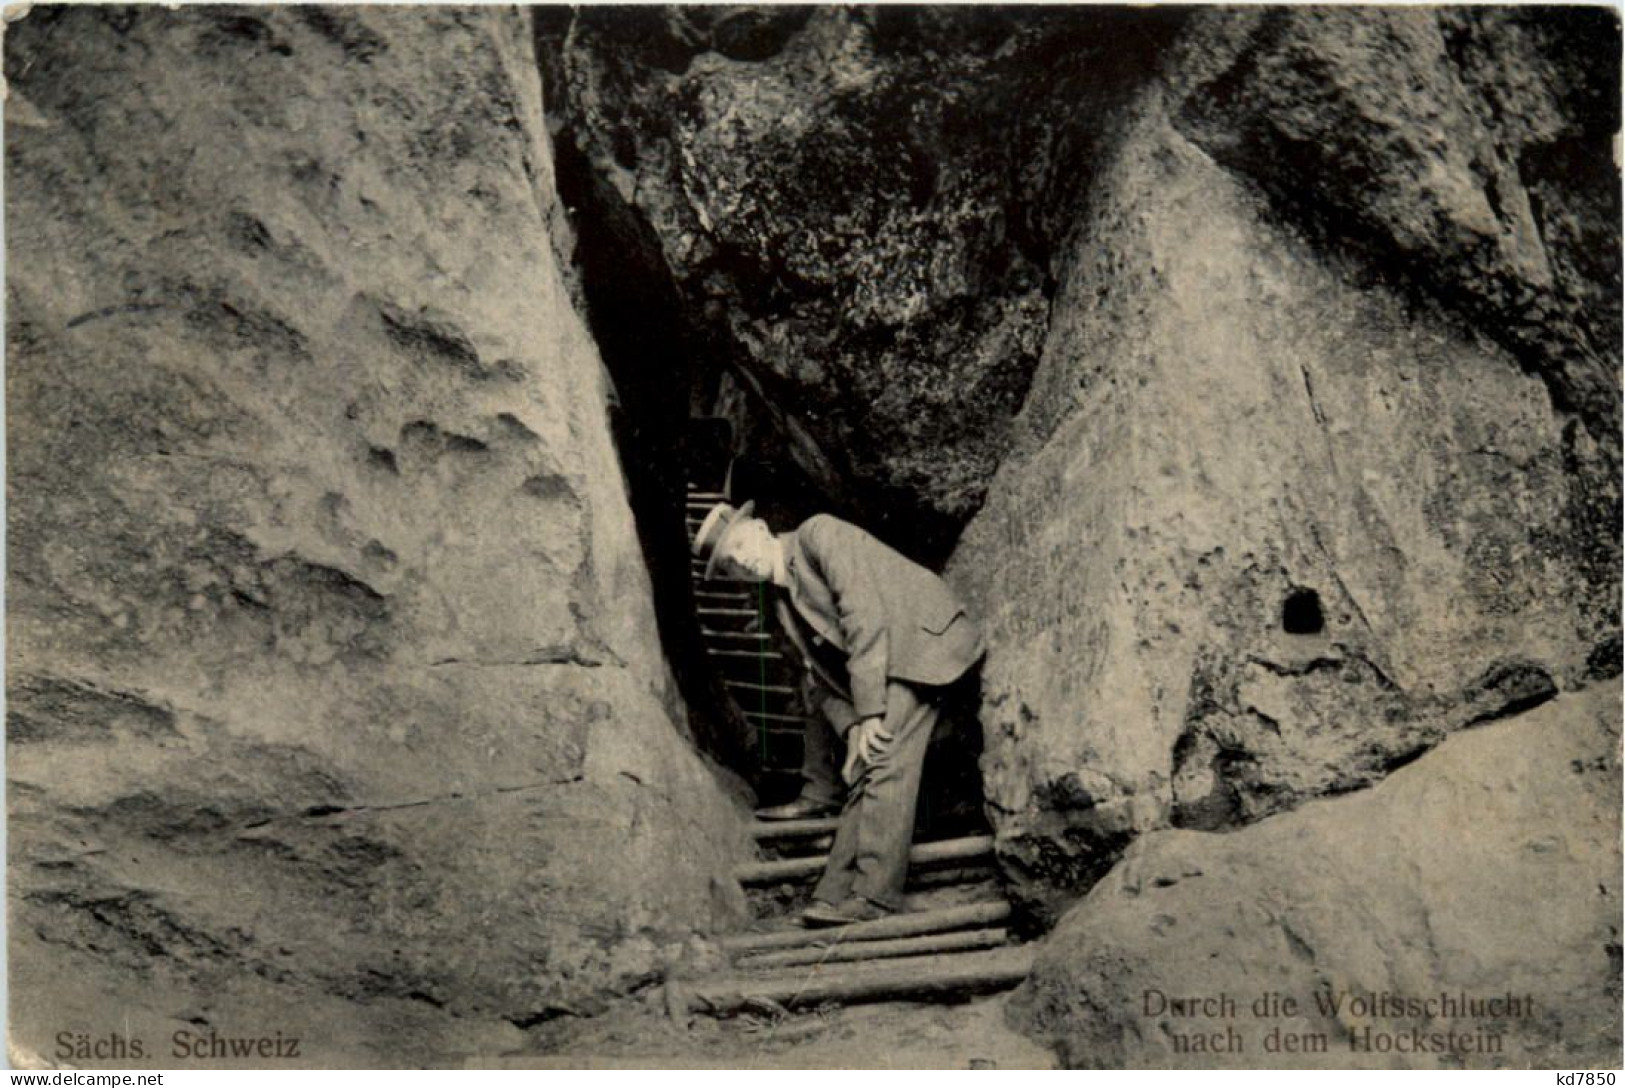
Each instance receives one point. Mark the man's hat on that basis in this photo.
(712, 535)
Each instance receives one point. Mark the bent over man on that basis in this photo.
(903, 637)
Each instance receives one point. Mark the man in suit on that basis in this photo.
(903, 636)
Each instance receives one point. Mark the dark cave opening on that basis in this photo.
(636, 319)
(689, 423)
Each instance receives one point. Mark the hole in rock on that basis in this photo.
(1301, 613)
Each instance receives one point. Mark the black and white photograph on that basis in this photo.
(873, 537)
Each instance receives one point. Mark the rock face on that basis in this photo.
(1282, 511)
(1489, 867)
(1465, 147)
(1269, 362)
(858, 209)
(333, 672)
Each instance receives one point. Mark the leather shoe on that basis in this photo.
(854, 909)
(802, 808)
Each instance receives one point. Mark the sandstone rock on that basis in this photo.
(1314, 353)
(1489, 867)
(857, 213)
(1467, 147)
(332, 661)
(1274, 524)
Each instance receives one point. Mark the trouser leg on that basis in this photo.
(820, 772)
(820, 761)
(870, 855)
(891, 788)
(836, 883)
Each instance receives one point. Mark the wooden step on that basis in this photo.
(768, 830)
(759, 636)
(768, 716)
(764, 655)
(767, 872)
(914, 976)
(745, 612)
(766, 689)
(965, 940)
(904, 924)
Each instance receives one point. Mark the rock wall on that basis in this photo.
(335, 700)
(1282, 511)
(857, 208)
(1471, 150)
(1488, 868)
(1259, 368)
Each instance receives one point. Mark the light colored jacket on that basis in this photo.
(890, 616)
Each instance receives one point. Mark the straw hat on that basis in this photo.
(711, 538)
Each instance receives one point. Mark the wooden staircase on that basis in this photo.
(761, 682)
(950, 941)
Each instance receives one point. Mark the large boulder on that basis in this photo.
(857, 210)
(1471, 149)
(1398, 922)
(333, 678)
(1280, 514)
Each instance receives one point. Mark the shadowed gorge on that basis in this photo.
(1252, 373)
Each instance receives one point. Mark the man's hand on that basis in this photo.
(866, 742)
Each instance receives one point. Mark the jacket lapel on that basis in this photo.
(808, 592)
